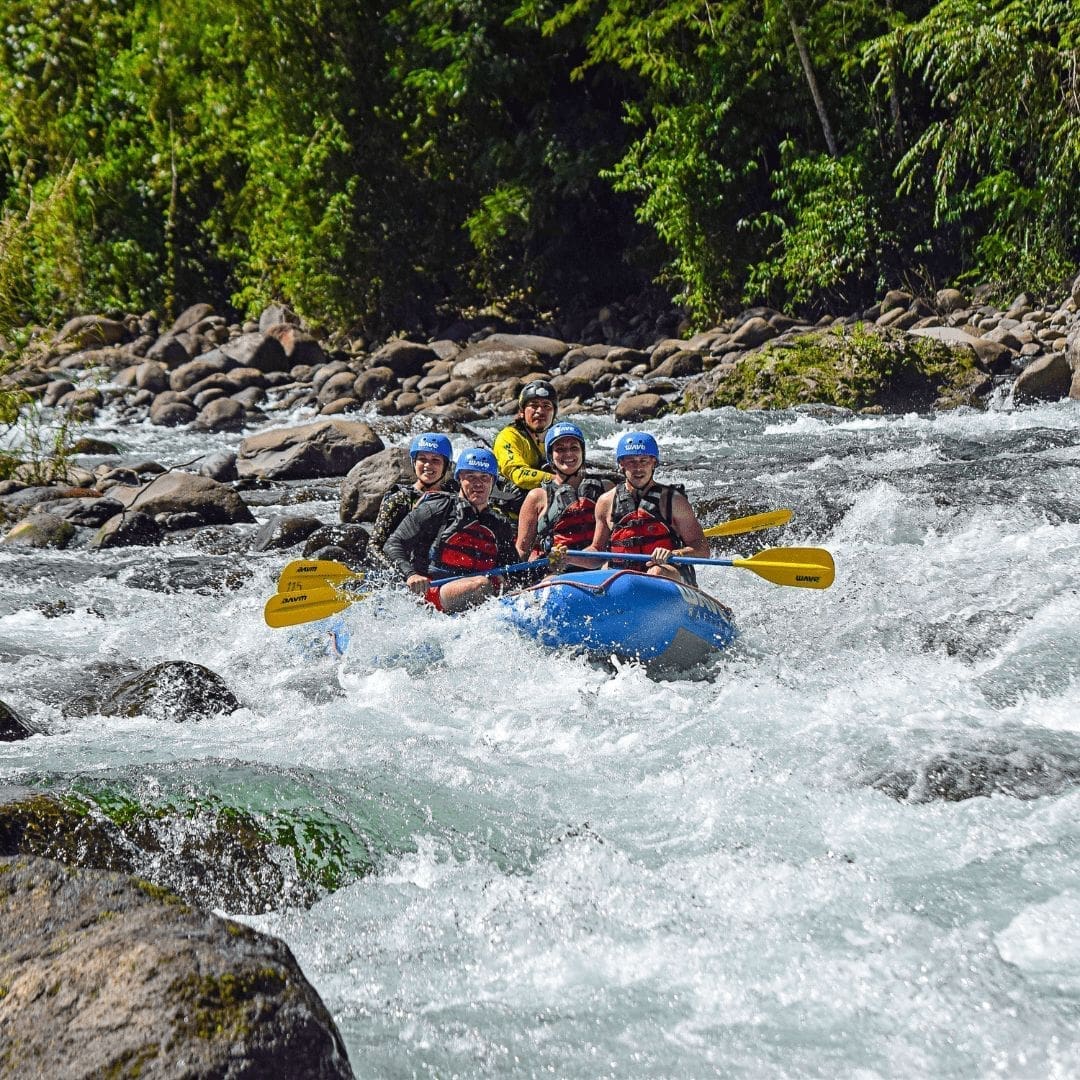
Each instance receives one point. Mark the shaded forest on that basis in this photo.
(382, 165)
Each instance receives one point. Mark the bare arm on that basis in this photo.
(688, 527)
(534, 505)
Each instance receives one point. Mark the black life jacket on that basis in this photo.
(464, 545)
(570, 517)
(641, 521)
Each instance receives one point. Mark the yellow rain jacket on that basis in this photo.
(519, 457)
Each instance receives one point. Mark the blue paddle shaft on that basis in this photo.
(675, 560)
(497, 572)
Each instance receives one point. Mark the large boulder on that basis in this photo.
(106, 975)
(364, 486)
(185, 493)
(262, 351)
(1049, 378)
(484, 363)
(403, 357)
(175, 690)
(90, 331)
(325, 448)
(854, 367)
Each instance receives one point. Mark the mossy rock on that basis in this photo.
(855, 367)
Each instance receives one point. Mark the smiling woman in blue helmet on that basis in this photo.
(454, 534)
(433, 464)
(641, 516)
(561, 512)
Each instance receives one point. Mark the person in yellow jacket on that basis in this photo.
(519, 447)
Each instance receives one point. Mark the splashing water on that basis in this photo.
(848, 846)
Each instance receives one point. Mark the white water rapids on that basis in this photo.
(766, 869)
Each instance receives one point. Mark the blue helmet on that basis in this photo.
(562, 430)
(431, 443)
(635, 444)
(477, 459)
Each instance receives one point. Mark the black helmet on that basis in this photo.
(539, 388)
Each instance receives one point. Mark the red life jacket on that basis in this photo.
(642, 520)
(570, 517)
(464, 547)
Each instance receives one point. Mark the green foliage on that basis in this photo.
(373, 163)
(830, 235)
(1001, 152)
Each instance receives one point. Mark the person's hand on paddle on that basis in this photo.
(556, 558)
(418, 584)
(659, 556)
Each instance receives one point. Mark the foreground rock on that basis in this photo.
(104, 975)
(208, 853)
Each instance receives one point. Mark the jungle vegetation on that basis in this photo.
(379, 164)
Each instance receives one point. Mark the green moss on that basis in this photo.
(854, 367)
(163, 896)
(220, 1006)
(129, 1065)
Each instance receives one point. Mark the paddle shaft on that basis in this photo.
(802, 568)
(497, 572)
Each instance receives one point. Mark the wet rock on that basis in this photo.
(635, 407)
(86, 512)
(13, 727)
(171, 412)
(221, 414)
(283, 532)
(107, 975)
(342, 543)
(1046, 379)
(183, 492)
(175, 690)
(220, 466)
(96, 447)
(325, 448)
(1018, 769)
(367, 482)
(132, 528)
(40, 530)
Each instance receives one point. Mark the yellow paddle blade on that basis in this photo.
(752, 523)
(306, 605)
(804, 568)
(311, 573)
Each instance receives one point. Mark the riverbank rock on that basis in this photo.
(106, 975)
(854, 367)
(325, 448)
(187, 495)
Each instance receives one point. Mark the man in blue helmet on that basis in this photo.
(561, 512)
(641, 516)
(433, 463)
(454, 534)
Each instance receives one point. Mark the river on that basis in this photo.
(847, 847)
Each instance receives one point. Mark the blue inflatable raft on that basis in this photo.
(623, 613)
